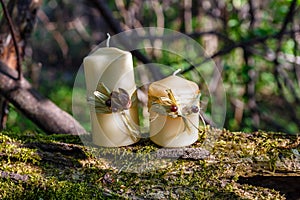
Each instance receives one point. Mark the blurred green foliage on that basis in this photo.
(257, 65)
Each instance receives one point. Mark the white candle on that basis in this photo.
(114, 68)
(174, 130)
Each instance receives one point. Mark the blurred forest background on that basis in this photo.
(254, 43)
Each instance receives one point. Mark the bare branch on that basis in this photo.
(279, 72)
(116, 28)
(13, 34)
(296, 65)
(244, 43)
(40, 110)
(251, 12)
(212, 32)
(288, 18)
(250, 90)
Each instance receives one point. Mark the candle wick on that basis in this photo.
(176, 72)
(108, 39)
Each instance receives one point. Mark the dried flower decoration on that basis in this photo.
(107, 102)
(168, 106)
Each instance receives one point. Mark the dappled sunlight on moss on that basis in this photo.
(30, 172)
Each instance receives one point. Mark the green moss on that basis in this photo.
(33, 136)
(58, 175)
(11, 151)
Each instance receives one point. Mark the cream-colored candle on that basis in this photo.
(174, 125)
(114, 68)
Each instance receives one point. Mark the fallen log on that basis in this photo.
(257, 165)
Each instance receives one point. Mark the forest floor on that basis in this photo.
(220, 165)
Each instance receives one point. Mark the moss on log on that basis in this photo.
(239, 165)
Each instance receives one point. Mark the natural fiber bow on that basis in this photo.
(168, 106)
(107, 102)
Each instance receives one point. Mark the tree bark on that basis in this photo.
(38, 109)
(16, 26)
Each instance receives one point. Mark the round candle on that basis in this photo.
(114, 68)
(170, 131)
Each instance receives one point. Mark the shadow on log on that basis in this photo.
(59, 154)
(287, 185)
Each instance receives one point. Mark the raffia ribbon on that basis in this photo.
(169, 106)
(107, 102)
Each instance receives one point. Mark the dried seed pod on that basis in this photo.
(124, 98)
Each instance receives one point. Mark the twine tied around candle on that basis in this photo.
(107, 102)
(169, 106)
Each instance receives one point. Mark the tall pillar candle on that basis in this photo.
(114, 68)
(174, 106)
